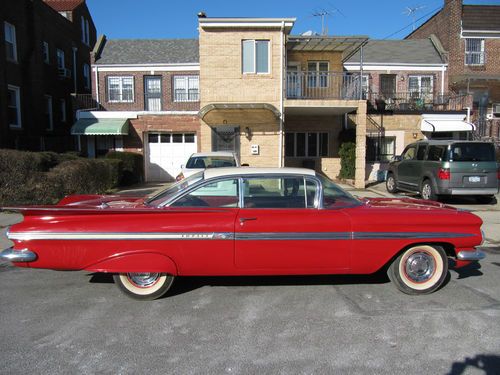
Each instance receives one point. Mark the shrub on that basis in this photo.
(132, 166)
(347, 155)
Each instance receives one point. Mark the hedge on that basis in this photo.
(46, 177)
(347, 155)
(132, 166)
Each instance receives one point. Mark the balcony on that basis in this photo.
(322, 85)
(417, 102)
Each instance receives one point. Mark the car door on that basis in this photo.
(406, 168)
(279, 229)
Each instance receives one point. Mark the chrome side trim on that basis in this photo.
(23, 255)
(412, 235)
(294, 236)
(27, 236)
(471, 255)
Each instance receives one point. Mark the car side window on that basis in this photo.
(436, 153)
(421, 152)
(274, 192)
(222, 193)
(409, 153)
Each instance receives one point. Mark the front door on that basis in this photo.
(293, 81)
(226, 138)
(280, 231)
(152, 93)
(388, 85)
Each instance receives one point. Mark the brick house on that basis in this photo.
(471, 36)
(145, 99)
(45, 57)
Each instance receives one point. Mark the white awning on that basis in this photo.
(445, 123)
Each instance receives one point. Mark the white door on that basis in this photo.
(166, 153)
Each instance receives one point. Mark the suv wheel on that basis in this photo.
(390, 183)
(427, 191)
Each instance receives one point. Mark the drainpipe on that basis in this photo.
(468, 114)
(75, 89)
(280, 152)
(97, 84)
(442, 80)
(361, 73)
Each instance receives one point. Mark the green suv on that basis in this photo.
(445, 168)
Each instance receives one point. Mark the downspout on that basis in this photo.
(361, 73)
(442, 80)
(75, 89)
(97, 84)
(280, 151)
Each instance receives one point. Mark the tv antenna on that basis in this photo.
(410, 12)
(324, 13)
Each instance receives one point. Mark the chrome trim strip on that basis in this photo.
(412, 235)
(286, 236)
(23, 255)
(27, 236)
(471, 255)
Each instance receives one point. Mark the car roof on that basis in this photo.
(237, 171)
(213, 153)
(446, 141)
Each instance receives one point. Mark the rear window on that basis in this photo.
(472, 152)
(210, 162)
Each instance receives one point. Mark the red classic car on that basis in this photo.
(246, 221)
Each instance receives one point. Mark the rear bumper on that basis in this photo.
(471, 255)
(478, 191)
(23, 255)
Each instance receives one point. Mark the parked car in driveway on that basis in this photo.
(200, 161)
(246, 221)
(446, 168)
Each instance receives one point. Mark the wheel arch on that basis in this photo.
(137, 261)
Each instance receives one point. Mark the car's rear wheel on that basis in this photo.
(420, 269)
(427, 191)
(144, 285)
(390, 184)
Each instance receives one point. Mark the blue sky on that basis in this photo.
(121, 19)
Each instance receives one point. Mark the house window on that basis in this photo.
(46, 56)
(60, 59)
(380, 148)
(317, 73)
(86, 75)
(10, 41)
(306, 144)
(186, 88)
(14, 106)
(474, 52)
(255, 56)
(49, 120)
(62, 106)
(85, 30)
(420, 87)
(121, 89)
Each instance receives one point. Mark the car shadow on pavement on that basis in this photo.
(470, 270)
(487, 363)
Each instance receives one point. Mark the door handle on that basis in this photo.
(243, 219)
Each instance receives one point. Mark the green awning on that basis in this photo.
(101, 126)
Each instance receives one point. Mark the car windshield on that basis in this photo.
(159, 197)
(334, 196)
(472, 152)
(210, 162)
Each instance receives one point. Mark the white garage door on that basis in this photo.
(166, 153)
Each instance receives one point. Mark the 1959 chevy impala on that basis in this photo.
(246, 221)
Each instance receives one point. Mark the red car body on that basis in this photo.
(124, 235)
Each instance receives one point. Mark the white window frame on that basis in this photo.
(121, 78)
(86, 76)
(186, 79)
(17, 90)
(60, 58)
(306, 144)
(13, 42)
(49, 111)
(255, 56)
(419, 79)
(62, 105)
(481, 54)
(46, 52)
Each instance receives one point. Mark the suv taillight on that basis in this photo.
(444, 174)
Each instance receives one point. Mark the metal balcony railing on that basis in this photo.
(323, 85)
(416, 101)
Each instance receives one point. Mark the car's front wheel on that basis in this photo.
(144, 285)
(420, 269)
(390, 183)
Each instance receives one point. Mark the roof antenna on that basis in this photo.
(324, 13)
(202, 14)
(410, 11)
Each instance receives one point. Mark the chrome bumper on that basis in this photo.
(471, 255)
(12, 255)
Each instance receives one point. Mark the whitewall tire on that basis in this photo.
(144, 285)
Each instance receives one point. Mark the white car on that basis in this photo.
(203, 160)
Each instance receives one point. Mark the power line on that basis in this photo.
(407, 26)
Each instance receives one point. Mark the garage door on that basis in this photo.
(166, 153)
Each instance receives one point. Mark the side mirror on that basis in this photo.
(182, 166)
(397, 158)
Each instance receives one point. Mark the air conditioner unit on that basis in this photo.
(496, 109)
(64, 73)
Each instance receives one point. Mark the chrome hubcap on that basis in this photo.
(144, 279)
(420, 267)
(390, 183)
(426, 191)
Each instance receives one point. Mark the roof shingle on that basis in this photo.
(149, 51)
(481, 17)
(63, 5)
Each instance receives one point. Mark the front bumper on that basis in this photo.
(471, 255)
(12, 255)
